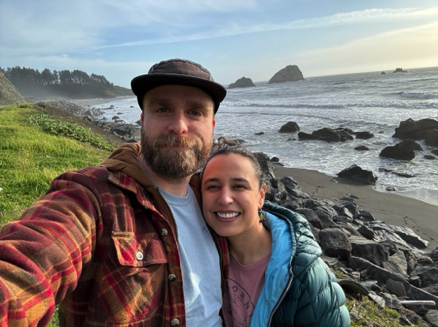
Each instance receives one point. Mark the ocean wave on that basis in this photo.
(419, 95)
(281, 105)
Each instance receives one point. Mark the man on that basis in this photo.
(125, 243)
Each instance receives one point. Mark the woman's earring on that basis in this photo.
(261, 216)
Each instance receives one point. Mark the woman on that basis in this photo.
(276, 277)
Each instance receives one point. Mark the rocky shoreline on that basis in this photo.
(390, 264)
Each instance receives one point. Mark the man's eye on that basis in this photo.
(195, 112)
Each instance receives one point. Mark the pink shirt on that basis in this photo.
(245, 283)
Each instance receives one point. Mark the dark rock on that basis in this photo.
(362, 148)
(260, 133)
(364, 135)
(358, 174)
(396, 173)
(333, 135)
(435, 152)
(429, 157)
(366, 215)
(404, 233)
(432, 317)
(310, 216)
(395, 287)
(432, 138)
(334, 243)
(403, 150)
(399, 70)
(366, 232)
(290, 183)
(241, 82)
(289, 127)
(368, 249)
(415, 130)
(353, 287)
(288, 74)
(265, 164)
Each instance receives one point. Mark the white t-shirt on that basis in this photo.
(199, 261)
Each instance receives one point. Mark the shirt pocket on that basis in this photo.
(133, 283)
(133, 253)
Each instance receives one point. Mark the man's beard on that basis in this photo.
(174, 165)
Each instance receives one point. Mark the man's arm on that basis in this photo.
(43, 254)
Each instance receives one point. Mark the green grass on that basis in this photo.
(35, 148)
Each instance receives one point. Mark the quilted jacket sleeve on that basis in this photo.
(43, 253)
(321, 299)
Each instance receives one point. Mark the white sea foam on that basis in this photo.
(362, 102)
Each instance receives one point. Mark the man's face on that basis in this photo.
(177, 130)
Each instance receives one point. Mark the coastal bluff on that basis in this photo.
(8, 93)
(290, 73)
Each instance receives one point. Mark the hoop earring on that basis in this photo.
(261, 216)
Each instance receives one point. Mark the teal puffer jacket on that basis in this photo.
(299, 288)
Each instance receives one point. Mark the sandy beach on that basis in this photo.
(390, 208)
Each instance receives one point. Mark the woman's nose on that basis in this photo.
(225, 196)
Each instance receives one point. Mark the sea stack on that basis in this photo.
(290, 73)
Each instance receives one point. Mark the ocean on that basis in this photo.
(372, 102)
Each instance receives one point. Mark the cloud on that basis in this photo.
(408, 48)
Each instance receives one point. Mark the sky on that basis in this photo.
(121, 39)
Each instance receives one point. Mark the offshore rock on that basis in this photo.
(289, 127)
(403, 150)
(415, 130)
(242, 82)
(290, 73)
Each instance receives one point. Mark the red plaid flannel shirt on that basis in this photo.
(102, 242)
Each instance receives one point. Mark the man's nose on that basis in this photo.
(178, 124)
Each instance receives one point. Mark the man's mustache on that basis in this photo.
(175, 140)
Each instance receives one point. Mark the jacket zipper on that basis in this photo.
(283, 294)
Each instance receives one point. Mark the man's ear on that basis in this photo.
(141, 117)
(214, 121)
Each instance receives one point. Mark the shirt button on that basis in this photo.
(139, 255)
(163, 232)
(171, 277)
(175, 322)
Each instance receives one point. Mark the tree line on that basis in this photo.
(74, 84)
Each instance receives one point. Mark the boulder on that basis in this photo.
(358, 174)
(364, 135)
(399, 70)
(415, 130)
(335, 243)
(403, 150)
(8, 93)
(289, 127)
(369, 250)
(290, 73)
(241, 82)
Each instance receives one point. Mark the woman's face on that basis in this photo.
(231, 195)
